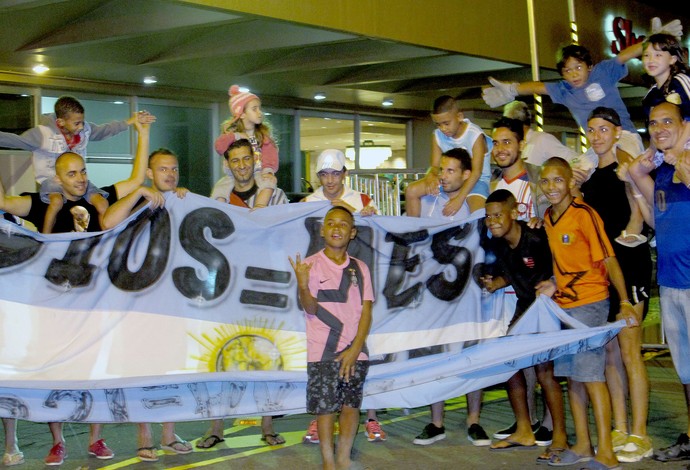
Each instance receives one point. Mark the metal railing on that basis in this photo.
(385, 187)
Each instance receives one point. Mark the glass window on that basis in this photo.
(105, 171)
(383, 145)
(16, 112)
(16, 116)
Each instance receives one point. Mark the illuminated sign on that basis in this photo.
(623, 32)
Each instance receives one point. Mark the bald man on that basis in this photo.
(70, 171)
(71, 175)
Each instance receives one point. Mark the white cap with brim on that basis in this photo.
(330, 159)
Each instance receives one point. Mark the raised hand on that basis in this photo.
(301, 270)
(499, 93)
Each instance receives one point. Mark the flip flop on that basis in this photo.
(147, 454)
(549, 452)
(566, 458)
(209, 441)
(512, 445)
(637, 239)
(273, 439)
(596, 465)
(178, 447)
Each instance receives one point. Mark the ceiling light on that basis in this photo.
(150, 80)
(387, 102)
(243, 89)
(320, 96)
(118, 102)
(40, 68)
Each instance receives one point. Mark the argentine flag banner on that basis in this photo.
(190, 312)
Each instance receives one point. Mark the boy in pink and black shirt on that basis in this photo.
(336, 293)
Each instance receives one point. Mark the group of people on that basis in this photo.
(572, 227)
(67, 201)
(577, 229)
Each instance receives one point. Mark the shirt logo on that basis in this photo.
(353, 277)
(522, 209)
(529, 261)
(594, 92)
(566, 239)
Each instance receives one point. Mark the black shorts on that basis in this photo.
(636, 265)
(327, 393)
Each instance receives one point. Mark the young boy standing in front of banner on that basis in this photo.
(583, 265)
(336, 293)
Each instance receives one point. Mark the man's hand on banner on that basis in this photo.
(155, 198)
(181, 192)
(547, 287)
(341, 203)
(627, 312)
(367, 211)
(492, 284)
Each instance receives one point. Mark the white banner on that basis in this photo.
(190, 312)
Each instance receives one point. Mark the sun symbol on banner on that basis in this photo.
(252, 346)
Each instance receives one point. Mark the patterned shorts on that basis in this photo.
(327, 393)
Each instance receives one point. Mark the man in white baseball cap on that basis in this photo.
(331, 170)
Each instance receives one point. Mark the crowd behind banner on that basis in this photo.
(134, 304)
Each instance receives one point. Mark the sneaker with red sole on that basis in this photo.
(57, 454)
(312, 435)
(100, 450)
(374, 431)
